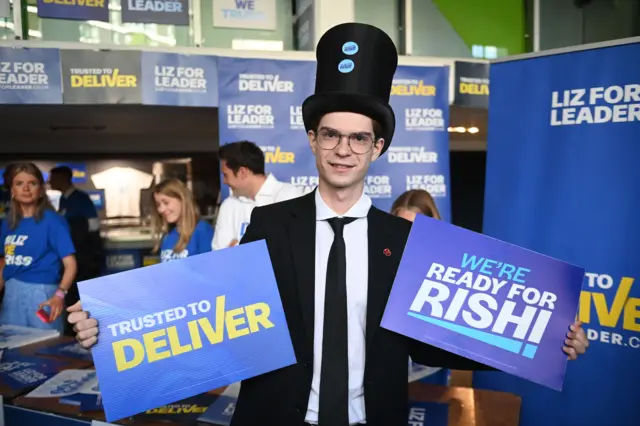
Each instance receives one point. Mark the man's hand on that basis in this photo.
(233, 243)
(576, 342)
(86, 328)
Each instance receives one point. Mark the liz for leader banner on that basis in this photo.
(261, 101)
(563, 179)
(30, 76)
(418, 157)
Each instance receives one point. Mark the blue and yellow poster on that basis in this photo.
(178, 329)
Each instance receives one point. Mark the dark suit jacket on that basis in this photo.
(281, 397)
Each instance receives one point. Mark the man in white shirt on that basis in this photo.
(242, 165)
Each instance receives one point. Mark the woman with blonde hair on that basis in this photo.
(177, 227)
(415, 201)
(38, 262)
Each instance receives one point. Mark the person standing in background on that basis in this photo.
(177, 226)
(81, 215)
(414, 201)
(38, 263)
(242, 166)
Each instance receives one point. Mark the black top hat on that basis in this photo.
(356, 64)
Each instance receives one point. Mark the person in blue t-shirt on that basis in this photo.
(179, 231)
(38, 262)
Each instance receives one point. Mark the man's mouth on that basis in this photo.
(340, 167)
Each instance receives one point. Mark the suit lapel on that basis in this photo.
(302, 235)
(380, 271)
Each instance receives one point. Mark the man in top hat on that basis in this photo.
(335, 257)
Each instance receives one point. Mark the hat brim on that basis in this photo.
(315, 106)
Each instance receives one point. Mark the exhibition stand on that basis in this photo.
(563, 180)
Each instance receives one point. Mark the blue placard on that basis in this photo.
(563, 179)
(179, 80)
(89, 10)
(30, 76)
(178, 329)
(486, 300)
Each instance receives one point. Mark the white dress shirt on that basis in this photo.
(235, 212)
(357, 253)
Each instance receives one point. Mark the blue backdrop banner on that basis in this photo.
(418, 157)
(88, 10)
(30, 76)
(260, 101)
(563, 179)
(166, 12)
(179, 80)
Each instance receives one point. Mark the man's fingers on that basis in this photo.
(76, 307)
(76, 317)
(87, 324)
(87, 343)
(84, 335)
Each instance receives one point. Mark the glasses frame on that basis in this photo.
(348, 136)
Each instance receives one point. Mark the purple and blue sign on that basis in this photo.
(179, 80)
(178, 329)
(486, 300)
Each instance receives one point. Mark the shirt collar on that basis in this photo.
(269, 188)
(358, 210)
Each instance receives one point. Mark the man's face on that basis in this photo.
(339, 134)
(56, 182)
(236, 182)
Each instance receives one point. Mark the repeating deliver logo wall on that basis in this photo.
(30, 76)
(105, 77)
(418, 157)
(81, 10)
(167, 12)
(486, 300)
(260, 101)
(179, 80)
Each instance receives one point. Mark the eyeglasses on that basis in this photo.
(360, 143)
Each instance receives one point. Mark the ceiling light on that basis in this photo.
(473, 130)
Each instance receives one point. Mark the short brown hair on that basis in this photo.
(416, 199)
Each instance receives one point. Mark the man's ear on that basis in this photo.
(377, 148)
(312, 141)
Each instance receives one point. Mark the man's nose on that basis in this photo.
(343, 149)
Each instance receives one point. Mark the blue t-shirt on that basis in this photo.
(33, 252)
(200, 242)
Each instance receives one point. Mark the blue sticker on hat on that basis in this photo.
(350, 48)
(346, 66)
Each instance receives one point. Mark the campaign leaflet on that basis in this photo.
(486, 300)
(181, 328)
(20, 372)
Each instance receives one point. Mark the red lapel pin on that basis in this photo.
(386, 252)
